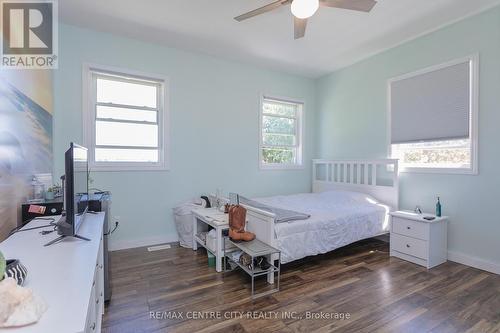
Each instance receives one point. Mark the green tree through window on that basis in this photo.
(280, 137)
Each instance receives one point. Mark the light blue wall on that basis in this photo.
(352, 115)
(215, 103)
(214, 109)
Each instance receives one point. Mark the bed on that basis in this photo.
(350, 201)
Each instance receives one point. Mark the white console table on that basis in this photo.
(217, 220)
(67, 275)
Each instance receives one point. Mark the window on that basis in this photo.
(281, 133)
(125, 120)
(433, 118)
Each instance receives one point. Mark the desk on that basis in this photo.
(217, 220)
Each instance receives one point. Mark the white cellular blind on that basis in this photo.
(432, 106)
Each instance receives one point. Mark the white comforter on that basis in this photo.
(338, 218)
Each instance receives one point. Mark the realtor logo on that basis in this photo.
(29, 34)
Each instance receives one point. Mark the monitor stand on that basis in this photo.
(63, 228)
(58, 239)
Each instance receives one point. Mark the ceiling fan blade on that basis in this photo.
(359, 5)
(299, 27)
(262, 10)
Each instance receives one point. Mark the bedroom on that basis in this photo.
(219, 83)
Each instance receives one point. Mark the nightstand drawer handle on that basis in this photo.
(407, 245)
(408, 227)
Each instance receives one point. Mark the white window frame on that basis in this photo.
(300, 134)
(473, 123)
(89, 119)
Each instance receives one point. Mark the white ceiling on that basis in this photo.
(334, 38)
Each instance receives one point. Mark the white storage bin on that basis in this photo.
(211, 240)
(183, 219)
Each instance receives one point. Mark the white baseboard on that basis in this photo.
(115, 245)
(474, 262)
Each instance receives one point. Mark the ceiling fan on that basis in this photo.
(304, 9)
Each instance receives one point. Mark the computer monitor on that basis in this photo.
(77, 189)
(76, 192)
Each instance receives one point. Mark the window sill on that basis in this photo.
(281, 166)
(127, 167)
(450, 171)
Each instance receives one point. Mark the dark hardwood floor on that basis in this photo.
(379, 293)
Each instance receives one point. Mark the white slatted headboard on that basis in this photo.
(378, 178)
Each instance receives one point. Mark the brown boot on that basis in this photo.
(237, 218)
(241, 236)
(237, 222)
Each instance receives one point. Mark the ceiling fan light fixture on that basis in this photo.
(303, 9)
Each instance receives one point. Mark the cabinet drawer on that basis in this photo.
(91, 325)
(410, 228)
(411, 246)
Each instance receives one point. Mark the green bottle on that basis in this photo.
(438, 208)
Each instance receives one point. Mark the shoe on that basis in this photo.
(261, 262)
(241, 236)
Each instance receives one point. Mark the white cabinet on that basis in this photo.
(418, 240)
(68, 276)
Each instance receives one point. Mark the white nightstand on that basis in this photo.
(417, 240)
